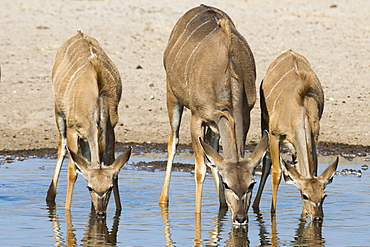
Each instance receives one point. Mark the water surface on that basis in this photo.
(26, 220)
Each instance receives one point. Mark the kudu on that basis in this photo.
(87, 89)
(292, 102)
(210, 70)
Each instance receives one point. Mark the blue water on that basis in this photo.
(27, 221)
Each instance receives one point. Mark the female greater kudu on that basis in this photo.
(210, 70)
(292, 102)
(87, 89)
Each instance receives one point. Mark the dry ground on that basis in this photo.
(333, 35)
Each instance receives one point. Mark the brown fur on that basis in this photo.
(292, 102)
(87, 89)
(307, 79)
(210, 70)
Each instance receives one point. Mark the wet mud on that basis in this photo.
(349, 152)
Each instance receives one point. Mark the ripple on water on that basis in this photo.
(27, 220)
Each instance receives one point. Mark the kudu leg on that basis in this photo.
(62, 152)
(117, 198)
(213, 140)
(266, 168)
(72, 174)
(200, 166)
(175, 111)
(276, 170)
(109, 159)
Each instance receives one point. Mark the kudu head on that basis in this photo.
(312, 188)
(237, 177)
(100, 178)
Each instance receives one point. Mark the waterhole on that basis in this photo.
(26, 220)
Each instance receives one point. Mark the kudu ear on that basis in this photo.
(328, 175)
(121, 160)
(80, 164)
(291, 175)
(212, 155)
(260, 149)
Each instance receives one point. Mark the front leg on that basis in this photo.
(117, 198)
(213, 140)
(276, 170)
(175, 110)
(62, 152)
(72, 174)
(266, 168)
(200, 166)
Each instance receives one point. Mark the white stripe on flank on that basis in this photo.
(77, 70)
(110, 70)
(66, 51)
(186, 26)
(72, 82)
(273, 107)
(63, 71)
(276, 64)
(272, 89)
(187, 39)
(191, 54)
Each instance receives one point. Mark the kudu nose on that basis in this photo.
(241, 220)
(317, 219)
(100, 214)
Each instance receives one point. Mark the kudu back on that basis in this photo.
(87, 89)
(292, 103)
(210, 70)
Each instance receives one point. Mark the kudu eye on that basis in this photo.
(226, 186)
(304, 197)
(110, 188)
(89, 188)
(251, 185)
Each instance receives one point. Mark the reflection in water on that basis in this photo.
(310, 235)
(218, 223)
(264, 238)
(238, 237)
(306, 235)
(96, 233)
(56, 225)
(198, 230)
(216, 229)
(166, 226)
(71, 236)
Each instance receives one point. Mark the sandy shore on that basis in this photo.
(335, 38)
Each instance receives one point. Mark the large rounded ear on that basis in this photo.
(328, 175)
(260, 149)
(80, 164)
(121, 160)
(212, 155)
(291, 175)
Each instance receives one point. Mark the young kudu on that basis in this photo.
(210, 70)
(87, 89)
(292, 102)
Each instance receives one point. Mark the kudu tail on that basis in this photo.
(306, 79)
(225, 26)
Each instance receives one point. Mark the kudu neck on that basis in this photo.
(231, 122)
(232, 144)
(306, 164)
